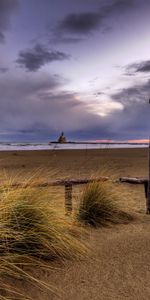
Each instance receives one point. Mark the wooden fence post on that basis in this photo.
(148, 186)
(68, 198)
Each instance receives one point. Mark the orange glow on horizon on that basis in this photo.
(138, 141)
(114, 141)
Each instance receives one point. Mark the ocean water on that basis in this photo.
(53, 146)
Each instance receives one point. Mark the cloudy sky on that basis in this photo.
(78, 66)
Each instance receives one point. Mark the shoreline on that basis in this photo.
(46, 148)
(52, 146)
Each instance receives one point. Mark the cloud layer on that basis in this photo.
(7, 7)
(85, 23)
(142, 66)
(36, 107)
(3, 70)
(80, 23)
(33, 59)
(133, 121)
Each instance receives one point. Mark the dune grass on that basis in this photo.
(32, 233)
(99, 205)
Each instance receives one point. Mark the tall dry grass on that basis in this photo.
(99, 205)
(32, 233)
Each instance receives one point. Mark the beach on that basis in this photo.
(20, 166)
(73, 163)
(120, 266)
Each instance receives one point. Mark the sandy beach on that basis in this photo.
(73, 163)
(47, 165)
(120, 264)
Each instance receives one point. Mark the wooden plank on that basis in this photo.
(145, 181)
(146, 188)
(68, 198)
(148, 185)
(134, 180)
(61, 182)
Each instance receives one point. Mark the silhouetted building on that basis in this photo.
(62, 138)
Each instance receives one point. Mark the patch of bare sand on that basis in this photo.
(119, 267)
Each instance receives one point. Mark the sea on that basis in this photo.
(67, 146)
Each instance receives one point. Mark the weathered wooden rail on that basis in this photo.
(67, 183)
(134, 180)
(139, 180)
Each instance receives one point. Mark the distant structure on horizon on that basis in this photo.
(62, 139)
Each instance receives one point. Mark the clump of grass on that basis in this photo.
(33, 233)
(29, 225)
(99, 206)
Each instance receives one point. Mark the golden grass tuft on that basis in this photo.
(32, 233)
(99, 205)
(29, 225)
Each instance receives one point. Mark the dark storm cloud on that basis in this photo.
(80, 23)
(138, 93)
(34, 102)
(133, 121)
(142, 66)
(7, 7)
(83, 23)
(33, 59)
(33, 108)
(3, 70)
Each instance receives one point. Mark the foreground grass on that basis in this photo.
(32, 233)
(99, 206)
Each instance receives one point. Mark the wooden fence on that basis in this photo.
(139, 180)
(69, 183)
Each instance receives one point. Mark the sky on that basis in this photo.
(78, 66)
